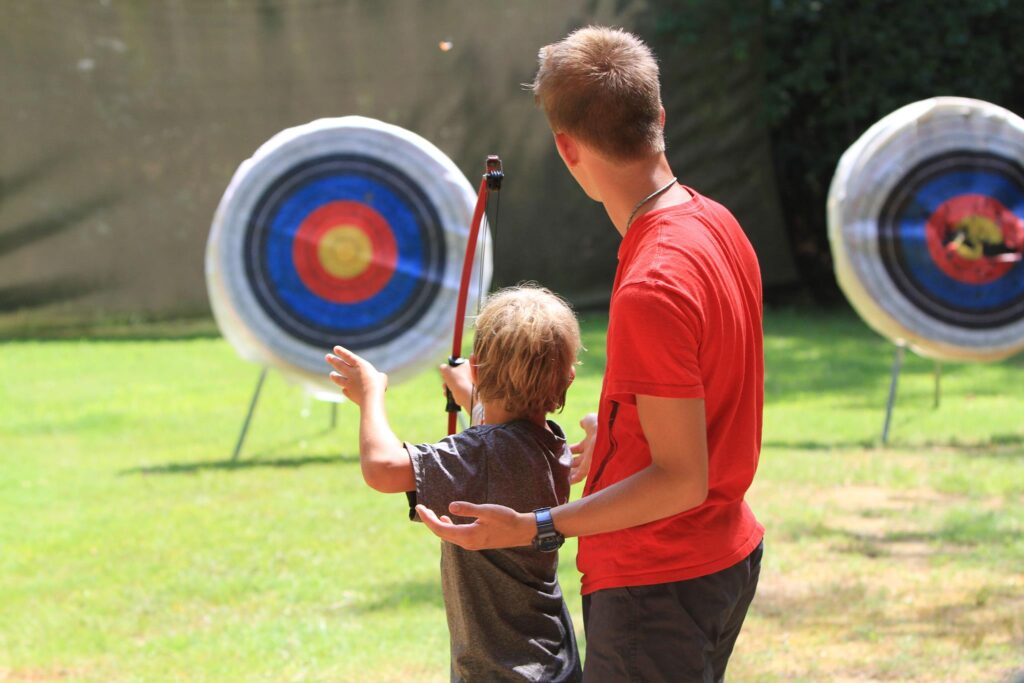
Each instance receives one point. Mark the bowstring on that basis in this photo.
(481, 267)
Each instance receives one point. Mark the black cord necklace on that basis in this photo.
(647, 199)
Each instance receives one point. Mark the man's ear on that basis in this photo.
(572, 374)
(662, 118)
(567, 149)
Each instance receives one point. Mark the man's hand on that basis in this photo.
(459, 380)
(584, 450)
(356, 376)
(495, 526)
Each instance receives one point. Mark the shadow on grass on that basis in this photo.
(1008, 446)
(972, 537)
(115, 330)
(404, 594)
(1007, 440)
(252, 463)
(852, 444)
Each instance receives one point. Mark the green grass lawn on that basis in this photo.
(133, 549)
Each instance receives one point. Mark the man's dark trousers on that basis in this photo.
(669, 632)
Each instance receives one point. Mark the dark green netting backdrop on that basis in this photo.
(124, 121)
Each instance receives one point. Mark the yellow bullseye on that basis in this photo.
(978, 231)
(345, 251)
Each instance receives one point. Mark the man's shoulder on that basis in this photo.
(682, 248)
(690, 220)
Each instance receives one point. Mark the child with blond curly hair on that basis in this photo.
(506, 615)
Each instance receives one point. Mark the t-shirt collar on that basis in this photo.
(643, 223)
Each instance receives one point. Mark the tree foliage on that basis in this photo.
(834, 67)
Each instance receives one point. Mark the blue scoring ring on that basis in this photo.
(904, 251)
(413, 219)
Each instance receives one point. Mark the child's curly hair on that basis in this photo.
(526, 343)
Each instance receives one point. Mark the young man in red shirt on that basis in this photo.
(669, 550)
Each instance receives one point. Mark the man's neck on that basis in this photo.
(623, 188)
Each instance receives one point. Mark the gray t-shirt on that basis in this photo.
(506, 615)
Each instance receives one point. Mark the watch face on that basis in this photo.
(548, 542)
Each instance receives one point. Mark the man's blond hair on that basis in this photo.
(526, 343)
(600, 85)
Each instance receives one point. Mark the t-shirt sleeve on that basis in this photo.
(446, 471)
(654, 338)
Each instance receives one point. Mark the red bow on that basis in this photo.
(490, 182)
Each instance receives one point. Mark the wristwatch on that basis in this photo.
(547, 539)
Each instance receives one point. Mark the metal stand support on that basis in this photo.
(897, 364)
(938, 387)
(248, 416)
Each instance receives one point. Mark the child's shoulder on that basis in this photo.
(516, 430)
(517, 464)
(482, 442)
(506, 438)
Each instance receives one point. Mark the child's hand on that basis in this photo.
(584, 450)
(459, 379)
(356, 376)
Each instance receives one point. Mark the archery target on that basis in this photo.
(342, 231)
(925, 224)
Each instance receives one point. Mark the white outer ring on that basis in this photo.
(865, 177)
(255, 336)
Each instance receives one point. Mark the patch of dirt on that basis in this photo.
(879, 522)
(877, 595)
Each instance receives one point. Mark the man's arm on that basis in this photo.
(676, 480)
(385, 464)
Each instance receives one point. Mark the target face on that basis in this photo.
(926, 229)
(343, 231)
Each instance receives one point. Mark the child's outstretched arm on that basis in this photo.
(385, 463)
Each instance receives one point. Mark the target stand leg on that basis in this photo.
(897, 364)
(938, 384)
(248, 416)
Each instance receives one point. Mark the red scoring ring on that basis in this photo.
(306, 243)
(941, 226)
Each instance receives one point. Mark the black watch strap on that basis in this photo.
(547, 539)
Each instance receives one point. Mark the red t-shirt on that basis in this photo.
(684, 322)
